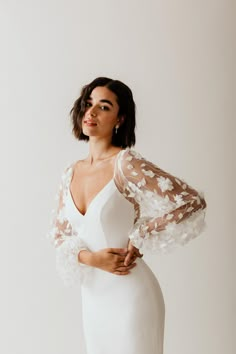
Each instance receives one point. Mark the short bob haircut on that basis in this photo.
(125, 136)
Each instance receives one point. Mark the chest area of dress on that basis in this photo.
(87, 184)
(108, 207)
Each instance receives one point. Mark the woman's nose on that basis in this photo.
(92, 112)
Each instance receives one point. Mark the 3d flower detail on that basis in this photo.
(141, 183)
(164, 183)
(179, 199)
(148, 173)
(129, 158)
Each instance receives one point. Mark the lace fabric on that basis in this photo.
(168, 211)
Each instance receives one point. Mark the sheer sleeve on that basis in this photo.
(65, 239)
(168, 211)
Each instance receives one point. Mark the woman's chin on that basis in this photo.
(89, 132)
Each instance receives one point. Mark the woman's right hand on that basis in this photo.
(109, 259)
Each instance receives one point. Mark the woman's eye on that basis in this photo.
(87, 104)
(105, 108)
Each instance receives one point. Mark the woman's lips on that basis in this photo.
(89, 123)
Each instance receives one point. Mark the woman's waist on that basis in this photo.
(100, 282)
(98, 240)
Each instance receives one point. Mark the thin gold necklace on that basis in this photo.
(108, 157)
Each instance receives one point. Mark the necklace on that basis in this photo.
(107, 158)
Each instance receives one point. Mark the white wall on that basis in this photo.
(177, 58)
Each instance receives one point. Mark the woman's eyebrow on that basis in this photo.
(103, 100)
(106, 101)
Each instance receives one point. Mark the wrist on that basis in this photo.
(85, 257)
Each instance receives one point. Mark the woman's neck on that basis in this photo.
(100, 150)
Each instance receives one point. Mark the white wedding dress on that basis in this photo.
(157, 211)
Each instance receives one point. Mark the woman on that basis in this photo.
(113, 207)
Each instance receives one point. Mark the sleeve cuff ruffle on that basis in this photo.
(67, 264)
(167, 240)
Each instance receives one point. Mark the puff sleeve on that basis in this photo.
(168, 211)
(65, 239)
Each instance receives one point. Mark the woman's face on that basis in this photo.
(101, 113)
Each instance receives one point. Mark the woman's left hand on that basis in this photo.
(133, 253)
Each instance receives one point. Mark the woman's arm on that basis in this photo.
(168, 211)
(66, 241)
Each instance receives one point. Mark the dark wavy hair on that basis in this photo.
(125, 136)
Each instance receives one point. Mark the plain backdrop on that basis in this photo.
(177, 57)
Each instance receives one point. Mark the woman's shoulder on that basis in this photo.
(131, 163)
(67, 171)
(129, 155)
(68, 167)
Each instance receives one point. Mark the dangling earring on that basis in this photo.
(116, 128)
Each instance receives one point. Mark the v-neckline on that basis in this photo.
(98, 194)
(92, 201)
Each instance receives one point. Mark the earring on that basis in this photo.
(116, 128)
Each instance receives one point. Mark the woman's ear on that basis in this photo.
(121, 120)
